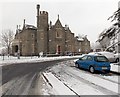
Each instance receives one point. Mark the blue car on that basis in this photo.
(93, 63)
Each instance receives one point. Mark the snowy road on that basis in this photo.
(61, 78)
(24, 79)
(29, 84)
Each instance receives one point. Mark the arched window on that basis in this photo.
(58, 34)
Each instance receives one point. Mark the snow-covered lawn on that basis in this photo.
(81, 82)
(9, 60)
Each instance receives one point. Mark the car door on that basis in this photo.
(89, 61)
(82, 61)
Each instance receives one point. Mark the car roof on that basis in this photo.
(94, 55)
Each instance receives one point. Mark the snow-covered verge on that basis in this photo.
(80, 82)
(12, 59)
(115, 68)
(58, 87)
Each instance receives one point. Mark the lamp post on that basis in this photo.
(18, 27)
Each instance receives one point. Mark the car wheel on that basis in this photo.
(117, 60)
(76, 64)
(91, 69)
(108, 71)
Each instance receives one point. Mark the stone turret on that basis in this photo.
(38, 14)
(42, 31)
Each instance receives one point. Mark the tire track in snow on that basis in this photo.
(10, 87)
(79, 82)
(107, 83)
(63, 69)
(103, 76)
(19, 86)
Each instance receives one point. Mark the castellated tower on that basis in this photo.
(42, 30)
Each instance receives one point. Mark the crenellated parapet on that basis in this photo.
(43, 13)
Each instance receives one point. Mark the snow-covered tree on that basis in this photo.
(109, 38)
(115, 16)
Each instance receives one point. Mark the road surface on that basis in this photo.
(27, 79)
(24, 78)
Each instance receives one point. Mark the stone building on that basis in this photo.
(25, 41)
(47, 38)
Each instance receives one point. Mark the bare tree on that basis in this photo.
(7, 38)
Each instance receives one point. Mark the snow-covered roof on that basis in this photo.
(30, 27)
(80, 39)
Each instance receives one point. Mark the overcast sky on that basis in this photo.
(88, 17)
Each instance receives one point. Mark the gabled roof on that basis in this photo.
(58, 23)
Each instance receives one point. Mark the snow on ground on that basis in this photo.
(115, 68)
(11, 59)
(65, 74)
(23, 85)
(82, 82)
(58, 87)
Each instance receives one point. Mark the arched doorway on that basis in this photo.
(16, 48)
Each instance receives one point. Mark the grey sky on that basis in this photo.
(88, 17)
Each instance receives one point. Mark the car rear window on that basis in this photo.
(101, 59)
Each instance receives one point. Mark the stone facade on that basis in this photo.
(48, 38)
(25, 41)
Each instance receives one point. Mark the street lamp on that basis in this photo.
(18, 27)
